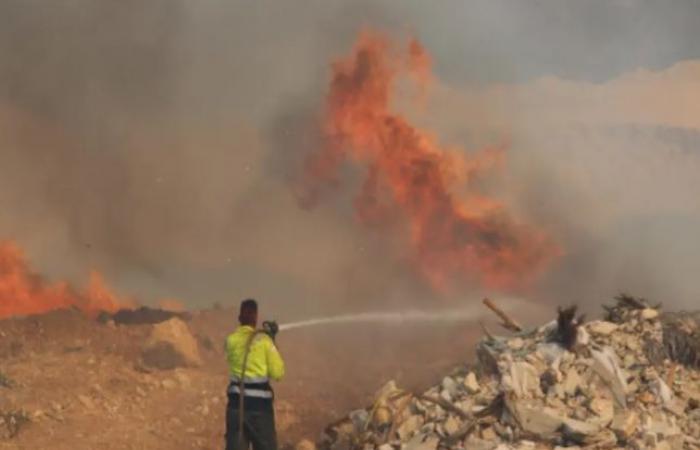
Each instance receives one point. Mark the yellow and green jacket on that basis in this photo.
(264, 363)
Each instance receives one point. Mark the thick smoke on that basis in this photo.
(157, 141)
(135, 141)
(613, 168)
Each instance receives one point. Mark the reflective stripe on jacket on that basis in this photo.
(264, 361)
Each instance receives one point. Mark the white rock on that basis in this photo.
(662, 391)
(663, 445)
(523, 380)
(409, 426)
(359, 419)
(451, 425)
(602, 327)
(662, 425)
(421, 442)
(445, 395)
(548, 327)
(386, 391)
(535, 419)
(607, 366)
(516, 343)
(603, 409)
(582, 337)
(550, 352)
(471, 384)
(649, 314)
(572, 381)
(474, 443)
(450, 385)
(585, 428)
(625, 424)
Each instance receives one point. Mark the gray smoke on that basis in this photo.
(156, 141)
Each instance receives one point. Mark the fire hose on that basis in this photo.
(270, 328)
(464, 313)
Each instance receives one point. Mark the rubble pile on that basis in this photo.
(603, 384)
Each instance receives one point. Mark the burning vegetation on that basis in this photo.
(410, 181)
(23, 292)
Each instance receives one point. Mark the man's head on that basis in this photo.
(248, 314)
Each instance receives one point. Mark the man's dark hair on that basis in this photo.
(248, 312)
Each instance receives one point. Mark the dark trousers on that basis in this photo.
(258, 425)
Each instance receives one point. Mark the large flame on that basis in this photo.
(453, 239)
(24, 292)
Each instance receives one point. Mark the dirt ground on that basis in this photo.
(82, 387)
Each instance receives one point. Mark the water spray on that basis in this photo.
(464, 314)
(454, 315)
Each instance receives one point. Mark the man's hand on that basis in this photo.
(271, 328)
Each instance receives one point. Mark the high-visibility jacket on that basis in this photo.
(264, 362)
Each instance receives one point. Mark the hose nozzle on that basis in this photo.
(271, 328)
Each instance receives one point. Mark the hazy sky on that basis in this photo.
(155, 140)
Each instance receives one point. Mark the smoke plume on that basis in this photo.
(159, 143)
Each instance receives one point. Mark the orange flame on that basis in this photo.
(452, 239)
(24, 292)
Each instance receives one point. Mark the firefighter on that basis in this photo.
(262, 364)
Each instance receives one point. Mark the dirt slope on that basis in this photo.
(82, 386)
